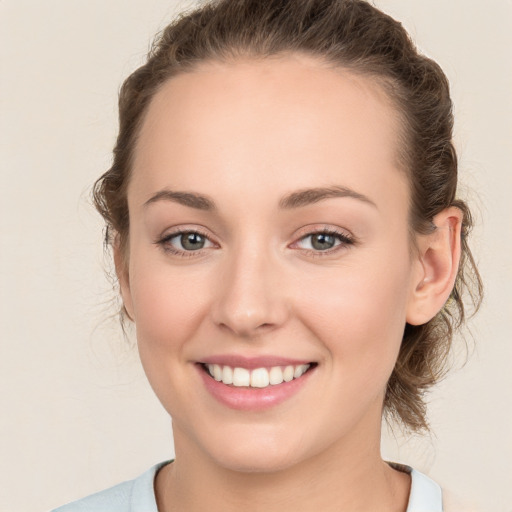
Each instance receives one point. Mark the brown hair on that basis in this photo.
(350, 34)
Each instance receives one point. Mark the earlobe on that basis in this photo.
(438, 262)
(121, 266)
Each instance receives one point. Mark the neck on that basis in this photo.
(349, 476)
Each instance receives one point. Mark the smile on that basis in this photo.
(254, 384)
(257, 377)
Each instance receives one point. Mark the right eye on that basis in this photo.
(185, 242)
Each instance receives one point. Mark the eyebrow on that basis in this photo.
(191, 199)
(309, 196)
(297, 199)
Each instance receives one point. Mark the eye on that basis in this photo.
(326, 241)
(183, 242)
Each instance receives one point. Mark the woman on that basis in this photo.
(283, 216)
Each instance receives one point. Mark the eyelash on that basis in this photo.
(345, 240)
(167, 247)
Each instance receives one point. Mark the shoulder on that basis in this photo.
(425, 494)
(136, 495)
(114, 499)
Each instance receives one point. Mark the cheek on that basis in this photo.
(359, 314)
(167, 303)
(168, 307)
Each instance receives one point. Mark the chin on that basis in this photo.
(254, 452)
(257, 461)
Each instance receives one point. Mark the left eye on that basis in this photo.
(323, 241)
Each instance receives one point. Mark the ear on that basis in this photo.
(438, 259)
(121, 265)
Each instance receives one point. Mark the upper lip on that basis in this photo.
(237, 361)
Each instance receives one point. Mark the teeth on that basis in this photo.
(217, 372)
(275, 375)
(227, 375)
(257, 378)
(241, 377)
(288, 373)
(300, 370)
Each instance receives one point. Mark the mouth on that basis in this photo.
(264, 377)
(254, 383)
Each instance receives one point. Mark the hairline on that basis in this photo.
(379, 82)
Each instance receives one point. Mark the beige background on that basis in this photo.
(76, 414)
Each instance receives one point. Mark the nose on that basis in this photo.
(250, 299)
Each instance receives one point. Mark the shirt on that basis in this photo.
(138, 495)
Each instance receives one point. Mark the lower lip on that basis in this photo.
(253, 399)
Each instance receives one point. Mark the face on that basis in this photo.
(269, 237)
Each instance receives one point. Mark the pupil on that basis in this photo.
(192, 241)
(323, 241)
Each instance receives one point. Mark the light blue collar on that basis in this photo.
(425, 495)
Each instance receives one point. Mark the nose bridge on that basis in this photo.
(248, 299)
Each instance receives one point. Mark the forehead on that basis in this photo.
(258, 123)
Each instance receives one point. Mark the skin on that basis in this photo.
(246, 134)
